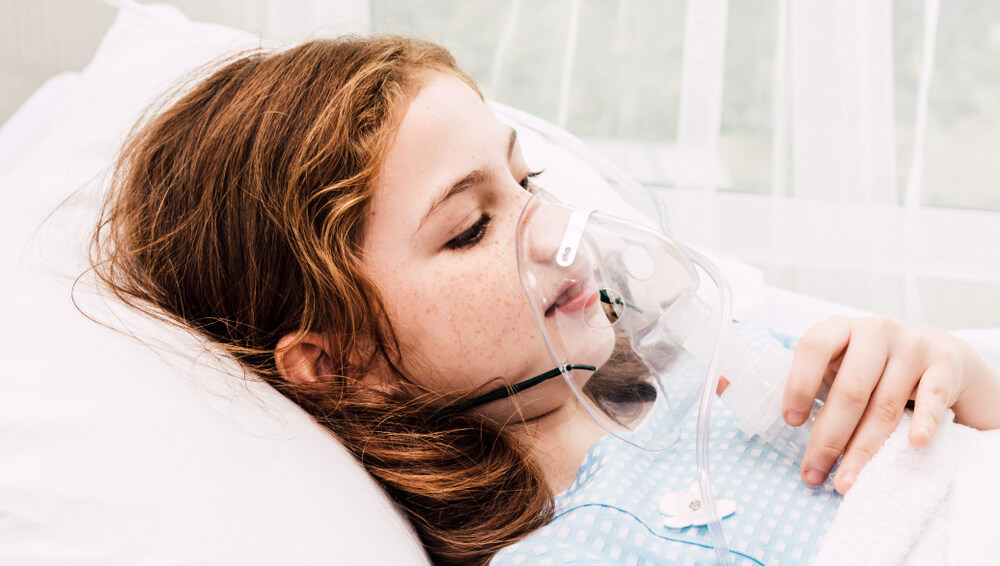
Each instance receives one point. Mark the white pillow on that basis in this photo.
(114, 452)
(24, 128)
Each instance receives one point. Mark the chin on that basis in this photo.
(594, 347)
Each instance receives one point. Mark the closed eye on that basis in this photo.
(471, 236)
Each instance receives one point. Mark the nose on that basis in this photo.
(542, 230)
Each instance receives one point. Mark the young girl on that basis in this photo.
(340, 217)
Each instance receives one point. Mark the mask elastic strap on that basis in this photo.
(509, 390)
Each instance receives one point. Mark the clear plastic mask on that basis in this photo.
(602, 291)
(627, 306)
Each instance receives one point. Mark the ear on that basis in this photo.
(303, 358)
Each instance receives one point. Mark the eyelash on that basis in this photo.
(475, 233)
(526, 183)
(471, 236)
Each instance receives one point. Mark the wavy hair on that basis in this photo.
(237, 209)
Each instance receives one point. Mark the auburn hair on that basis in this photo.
(236, 209)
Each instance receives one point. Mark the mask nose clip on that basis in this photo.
(566, 253)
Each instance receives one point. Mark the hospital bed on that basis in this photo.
(156, 450)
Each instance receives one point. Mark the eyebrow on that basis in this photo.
(477, 177)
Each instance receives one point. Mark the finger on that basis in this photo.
(935, 394)
(862, 368)
(813, 355)
(880, 418)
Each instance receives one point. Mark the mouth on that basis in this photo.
(573, 296)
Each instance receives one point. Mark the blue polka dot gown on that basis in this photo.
(611, 513)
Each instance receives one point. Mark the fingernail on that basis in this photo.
(815, 477)
(795, 418)
(849, 478)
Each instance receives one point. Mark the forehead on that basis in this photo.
(443, 106)
(446, 132)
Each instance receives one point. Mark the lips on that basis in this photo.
(572, 296)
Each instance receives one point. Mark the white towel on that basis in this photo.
(922, 506)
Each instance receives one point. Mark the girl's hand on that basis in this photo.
(873, 366)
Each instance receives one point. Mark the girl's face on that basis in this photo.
(439, 245)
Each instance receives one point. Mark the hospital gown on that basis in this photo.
(611, 512)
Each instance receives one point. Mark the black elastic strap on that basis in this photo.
(509, 390)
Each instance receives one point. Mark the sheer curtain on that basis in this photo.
(847, 215)
(848, 149)
(845, 148)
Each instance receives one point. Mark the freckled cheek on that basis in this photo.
(487, 317)
(482, 301)
(469, 316)
(496, 314)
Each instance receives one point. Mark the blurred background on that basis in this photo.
(850, 149)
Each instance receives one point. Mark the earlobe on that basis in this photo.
(302, 358)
